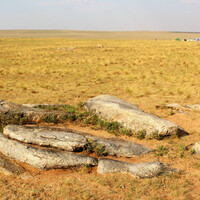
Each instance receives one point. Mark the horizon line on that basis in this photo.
(96, 30)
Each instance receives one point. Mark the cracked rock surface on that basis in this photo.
(42, 158)
(46, 137)
(72, 141)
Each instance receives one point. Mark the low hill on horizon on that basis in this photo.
(132, 35)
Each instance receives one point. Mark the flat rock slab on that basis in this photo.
(131, 117)
(9, 167)
(142, 170)
(46, 137)
(72, 141)
(118, 147)
(42, 158)
(32, 114)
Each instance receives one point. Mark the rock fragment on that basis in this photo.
(9, 167)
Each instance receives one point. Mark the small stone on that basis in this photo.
(196, 148)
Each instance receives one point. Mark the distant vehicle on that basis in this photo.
(177, 39)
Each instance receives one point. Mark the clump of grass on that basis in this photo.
(155, 135)
(87, 168)
(50, 119)
(197, 165)
(78, 113)
(127, 132)
(93, 147)
(140, 134)
(73, 114)
(172, 112)
(182, 149)
(161, 151)
(192, 151)
(13, 118)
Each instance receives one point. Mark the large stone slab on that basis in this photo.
(74, 141)
(42, 158)
(32, 114)
(9, 167)
(119, 147)
(130, 116)
(68, 141)
(142, 170)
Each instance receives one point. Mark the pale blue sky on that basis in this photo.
(101, 15)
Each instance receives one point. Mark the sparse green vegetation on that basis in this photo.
(93, 147)
(13, 118)
(140, 134)
(161, 151)
(155, 135)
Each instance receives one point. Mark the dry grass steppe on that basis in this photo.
(144, 72)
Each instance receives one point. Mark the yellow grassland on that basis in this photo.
(144, 72)
(70, 71)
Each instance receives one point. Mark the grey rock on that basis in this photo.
(68, 141)
(130, 116)
(72, 141)
(119, 147)
(176, 106)
(196, 148)
(142, 170)
(32, 114)
(9, 167)
(42, 158)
